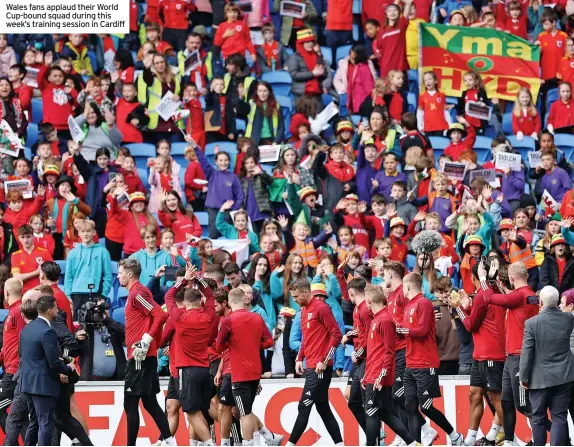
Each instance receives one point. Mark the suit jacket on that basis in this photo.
(40, 363)
(546, 359)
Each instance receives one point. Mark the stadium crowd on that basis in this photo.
(256, 231)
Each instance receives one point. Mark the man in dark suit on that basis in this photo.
(41, 367)
(547, 368)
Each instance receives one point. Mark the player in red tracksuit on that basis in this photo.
(321, 337)
(522, 304)
(13, 325)
(393, 273)
(144, 320)
(421, 379)
(245, 334)
(380, 369)
(486, 323)
(172, 403)
(362, 316)
(192, 331)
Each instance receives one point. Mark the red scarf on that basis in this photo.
(377, 100)
(350, 74)
(312, 86)
(341, 171)
(271, 52)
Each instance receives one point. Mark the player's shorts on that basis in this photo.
(213, 367)
(143, 381)
(487, 374)
(398, 388)
(352, 374)
(225, 391)
(244, 395)
(172, 388)
(356, 394)
(194, 388)
(316, 388)
(511, 389)
(7, 389)
(421, 383)
(376, 399)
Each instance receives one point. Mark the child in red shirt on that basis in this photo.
(432, 111)
(195, 124)
(456, 132)
(514, 22)
(566, 68)
(131, 116)
(22, 172)
(233, 35)
(131, 176)
(475, 93)
(525, 118)
(396, 99)
(562, 111)
(42, 237)
(399, 233)
(390, 45)
(552, 43)
(195, 185)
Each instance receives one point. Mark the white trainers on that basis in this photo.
(458, 441)
(158, 442)
(429, 436)
(398, 441)
(277, 439)
(168, 441)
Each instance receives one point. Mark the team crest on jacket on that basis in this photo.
(239, 27)
(60, 97)
(439, 100)
(228, 183)
(178, 7)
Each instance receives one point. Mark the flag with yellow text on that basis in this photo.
(506, 63)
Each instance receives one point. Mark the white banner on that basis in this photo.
(101, 403)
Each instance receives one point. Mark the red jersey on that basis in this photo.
(395, 106)
(24, 93)
(130, 133)
(182, 225)
(13, 325)
(561, 114)
(362, 318)
(396, 303)
(143, 316)
(64, 305)
(56, 103)
(381, 345)
(486, 323)
(566, 70)
(390, 47)
(45, 241)
(193, 172)
(456, 149)
(321, 335)
(22, 217)
(359, 231)
(196, 123)
(552, 48)
(175, 13)
(24, 262)
(518, 27)
(340, 17)
(527, 123)
(519, 310)
(167, 338)
(132, 181)
(433, 106)
(192, 327)
(134, 17)
(422, 350)
(245, 334)
(237, 43)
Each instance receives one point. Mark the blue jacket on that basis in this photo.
(451, 5)
(150, 264)
(256, 309)
(334, 294)
(88, 265)
(268, 303)
(296, 336)
(94, 196)
(223, 185)
(40, 364)
(365, 172)
(276, 286)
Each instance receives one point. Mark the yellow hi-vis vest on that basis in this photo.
(251, 118)
(151, 97)
(246, 84)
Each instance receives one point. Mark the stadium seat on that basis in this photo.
(144, 175)
(224, 146)
(482, 147)
(37, 112)
(439, 143)
(277, 77)
(141, 152)
(355, 32)
(119, 315)
(551, 96)
(357, 7)
(342, 52)
(356, 119)
(327, 55)
(268, 168)
(31, 134)
(413, 79)
(28, 153)
(527, 144)
(507, 123)
(178, 148)
(412, 100)
(92, 56)
(564, 142)
(62, 265)
(285, 102)
(241, 125)
(203, 218)
(3, 314)
(411, 261)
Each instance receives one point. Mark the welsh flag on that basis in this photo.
(505, 62)
(180, 114)
(9, 142)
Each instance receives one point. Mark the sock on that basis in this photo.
(246, 442)
(426, 427)
(210, 442)
(193, 442)
(201, 443)
(454, 435)
(471, 437)
(256, 438)
(225, 441)
(508, 443)
(289, 443)
(491, 435)
(267, 435)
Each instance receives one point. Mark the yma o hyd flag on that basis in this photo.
(506, 63)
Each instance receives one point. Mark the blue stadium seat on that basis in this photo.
(37, 112)
(342, 52)
(224, 146)
(119, 315)
(483, 142)
(565, 142)
(268, 168)
(203, 218)
(357, 7)
(62, 265)
(93, 60)
(439, 143)
(28, 153)
(241, 125)
(356, 119)
(141, 152)
(144, 175)
(551, 96)
(343, 111)
(31, 134)
(413, 80)
(507, 123)
(355, 32)
(3, 314)
(277, 77)
(327, 55)
(527, 144)
(411, 261)
(285, 102)
(483, 155)
(412, 100)
(178, 148)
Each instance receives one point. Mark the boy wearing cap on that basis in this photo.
(473, 249)
(397, 230)
(354, 218)
(345, 134)
(558, 266)
(516, 249)
(456, 132)
(50, 177)
(305, 206)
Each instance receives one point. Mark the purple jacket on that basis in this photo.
(365, 172)
(386, 183)
(223, 185)
(556, 183)
(512, 185)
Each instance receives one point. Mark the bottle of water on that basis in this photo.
(273, 64)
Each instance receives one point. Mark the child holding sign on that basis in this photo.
(552, 178)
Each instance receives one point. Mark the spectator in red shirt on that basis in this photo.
(515, 21)
(553, 44)
(339, 26)
(561, 112)
(566, 68)
(175, 17)
(456, 132)
(26, 262)
(233, 35)
(390, 44)
(525, 118)
(23, 92)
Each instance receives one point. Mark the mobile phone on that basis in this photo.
(170, 271)
(112, 176)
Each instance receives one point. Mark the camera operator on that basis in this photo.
(102, 356)
(88, 269)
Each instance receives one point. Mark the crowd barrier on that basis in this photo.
(101, 403)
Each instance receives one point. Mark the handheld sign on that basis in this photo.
(508, 160)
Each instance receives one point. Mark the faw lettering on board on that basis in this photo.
(102, 407)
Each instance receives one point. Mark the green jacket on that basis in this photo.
(228, 231)
(287, 24)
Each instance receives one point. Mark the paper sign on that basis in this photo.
(487, 174)
(269, 153)
(508, 160)
(321, 121)
(109, 64)
(21, 185)
(257, 38)
(454, 171)
(479, 111)
(534, 159)
(31, 78)
(167, 106)
(75, 130)
(245, 6)
(191, 62)
(292, 9)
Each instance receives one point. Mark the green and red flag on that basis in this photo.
(505, 62)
